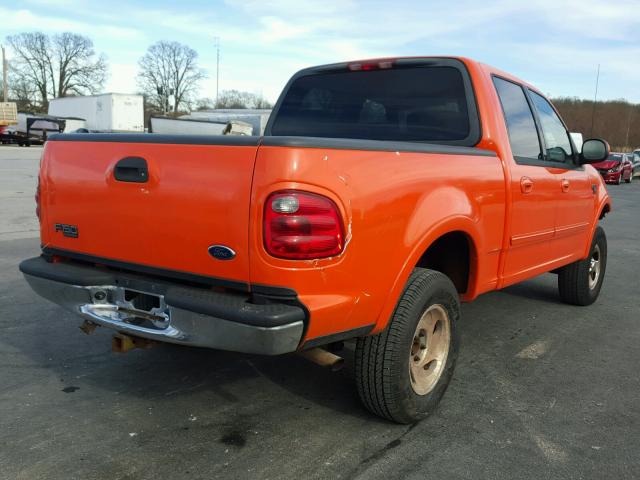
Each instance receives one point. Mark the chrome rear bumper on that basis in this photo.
(178, 314)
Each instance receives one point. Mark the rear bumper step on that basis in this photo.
(168, 312)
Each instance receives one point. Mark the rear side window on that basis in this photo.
(416, 103)
(523, 135)
(556, 136)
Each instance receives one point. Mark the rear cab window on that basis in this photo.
(429, 101)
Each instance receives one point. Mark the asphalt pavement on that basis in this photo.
(542, 389)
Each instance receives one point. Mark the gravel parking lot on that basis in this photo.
(542, 389)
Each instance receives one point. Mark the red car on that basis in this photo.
(616, 168)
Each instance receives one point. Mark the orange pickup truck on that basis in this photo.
(382, 194)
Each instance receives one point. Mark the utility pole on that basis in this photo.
(595, 98)
(5, 68)
(216, 42)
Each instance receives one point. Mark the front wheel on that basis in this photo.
(628, 180)
(403, 372)
(580, 282)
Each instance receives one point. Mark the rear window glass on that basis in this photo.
(424, 104)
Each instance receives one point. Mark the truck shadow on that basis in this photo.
(209, 379)
(543, 289)
(168, 373)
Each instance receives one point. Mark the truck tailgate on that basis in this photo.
(95, 200)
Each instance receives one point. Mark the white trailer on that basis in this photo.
(213, 122)
(185, 126)
(257, 118)
(71, 124)
(108, 112)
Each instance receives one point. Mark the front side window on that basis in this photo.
(555, 135)
(523, 135)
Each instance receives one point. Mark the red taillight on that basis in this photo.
(38, 198)
(302, 225)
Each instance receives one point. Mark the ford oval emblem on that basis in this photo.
(221, 252)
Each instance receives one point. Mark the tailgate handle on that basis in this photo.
(132, 169)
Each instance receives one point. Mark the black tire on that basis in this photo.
(619, 182)
(630, 177)
(574, 279)
(382, 361)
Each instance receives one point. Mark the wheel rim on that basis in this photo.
(594, 268)
(429, 349)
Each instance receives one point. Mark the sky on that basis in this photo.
(554, 44)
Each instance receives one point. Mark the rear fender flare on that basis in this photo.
(458, 223)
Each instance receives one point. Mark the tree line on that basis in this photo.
(44, 67)
(617, 121)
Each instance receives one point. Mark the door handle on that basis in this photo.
(526, 185)
(132, 169)
(565, 185)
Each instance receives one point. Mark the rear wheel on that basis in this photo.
(580, 282)
(403, 372)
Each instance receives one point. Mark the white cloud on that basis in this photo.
(276, 30)
(556, 43)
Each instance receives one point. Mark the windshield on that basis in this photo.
(425, 103)
(616, 157)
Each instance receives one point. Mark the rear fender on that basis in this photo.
(422, 240)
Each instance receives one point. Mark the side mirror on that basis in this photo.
(594, 150)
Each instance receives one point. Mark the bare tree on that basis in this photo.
(32, 62)
(205, 103)
(170, 69)
(79, 70)
(58, 66)
(238, 99)
(23, 92)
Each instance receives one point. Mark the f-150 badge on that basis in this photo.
(67, 230)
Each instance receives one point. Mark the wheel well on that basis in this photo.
(606, 209)
(451, 255)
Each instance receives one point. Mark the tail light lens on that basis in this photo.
(302, 225)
